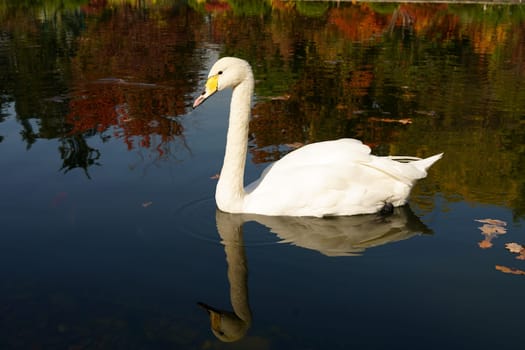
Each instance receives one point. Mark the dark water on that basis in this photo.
(109, 236)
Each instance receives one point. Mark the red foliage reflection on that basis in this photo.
(130, 76)
(134, 113)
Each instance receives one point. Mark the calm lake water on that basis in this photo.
(109, 236)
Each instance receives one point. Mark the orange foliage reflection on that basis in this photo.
(359, 22)
(432, 21)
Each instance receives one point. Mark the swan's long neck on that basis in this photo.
(230, 188)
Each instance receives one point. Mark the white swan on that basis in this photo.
(328, 178)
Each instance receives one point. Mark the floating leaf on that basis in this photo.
(510, 270)
(492, 222)
(514, 247)
(491, 228)
(484, 244)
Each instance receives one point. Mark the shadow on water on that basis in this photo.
(337, 236)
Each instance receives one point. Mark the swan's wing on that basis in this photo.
(325, 178)
(332, 178)
(327, 152)
(314, 155)
(312, 190)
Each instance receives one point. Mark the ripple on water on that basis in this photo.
(197, 219)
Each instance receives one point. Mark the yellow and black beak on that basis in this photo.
(212, 86)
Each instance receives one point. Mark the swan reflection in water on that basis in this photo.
(334, 236)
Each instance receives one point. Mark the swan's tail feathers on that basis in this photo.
(419, 165)
(426, 163)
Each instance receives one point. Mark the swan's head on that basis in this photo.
(226, 72)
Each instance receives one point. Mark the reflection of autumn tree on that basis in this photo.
(513, 139)
(34, 65)
(429, 21)
(273, 126)
(131, 73)
(145, 45)
(359, 23)
(135, 113)
(488, 35)
(72, 75)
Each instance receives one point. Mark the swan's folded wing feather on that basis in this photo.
(407, 172)
(326, 152)
(403, 172)
(318, 191)
(332, 157)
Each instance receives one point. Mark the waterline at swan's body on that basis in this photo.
(337, 177)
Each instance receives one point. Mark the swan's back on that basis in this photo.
(333, 178)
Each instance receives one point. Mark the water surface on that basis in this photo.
(109, 233)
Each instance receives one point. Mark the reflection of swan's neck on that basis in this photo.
(230, 188)
(229, 227)
(232, 326)
(238, 278)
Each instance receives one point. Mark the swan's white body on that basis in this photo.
(338, 177)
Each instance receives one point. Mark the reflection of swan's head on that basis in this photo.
(226, 72)
(226, 326)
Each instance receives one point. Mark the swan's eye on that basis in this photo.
(220, 72)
